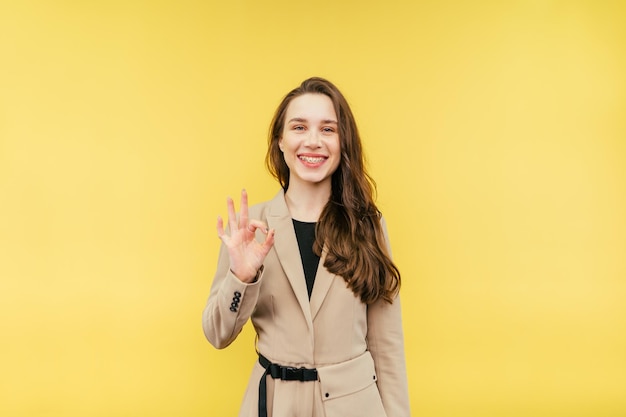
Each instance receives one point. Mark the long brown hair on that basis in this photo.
(350, 224)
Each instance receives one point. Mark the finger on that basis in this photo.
(220, 227)
(243, 210)
(232, 217)
(269, 241)
(220, 231)
(254, 225)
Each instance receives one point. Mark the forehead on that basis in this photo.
(311, 107)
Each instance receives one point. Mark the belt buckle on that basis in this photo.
(290, 373)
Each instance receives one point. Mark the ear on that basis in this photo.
(280, 145)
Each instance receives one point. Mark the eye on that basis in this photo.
(328, 129)
(298, 127)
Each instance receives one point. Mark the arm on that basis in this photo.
(220, 323)
(385, 340)
(236, 284)
(386, 344)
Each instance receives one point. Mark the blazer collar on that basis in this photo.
(286, 246)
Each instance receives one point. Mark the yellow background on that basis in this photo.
(496, 131)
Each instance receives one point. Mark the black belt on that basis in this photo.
(286, 373)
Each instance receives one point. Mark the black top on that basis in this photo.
(305, 233)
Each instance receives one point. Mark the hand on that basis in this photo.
(246, 254)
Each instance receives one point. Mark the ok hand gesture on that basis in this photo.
(246, 254)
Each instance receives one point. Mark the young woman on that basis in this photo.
(312, 269)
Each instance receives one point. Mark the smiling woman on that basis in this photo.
(312, 269)
(310, 142)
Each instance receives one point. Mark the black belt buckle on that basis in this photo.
(292, 374)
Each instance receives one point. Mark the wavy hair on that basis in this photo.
(349, 227)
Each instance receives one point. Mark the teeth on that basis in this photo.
(311, 159)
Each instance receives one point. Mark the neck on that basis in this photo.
(306, 203)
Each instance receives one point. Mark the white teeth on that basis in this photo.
(311, 159)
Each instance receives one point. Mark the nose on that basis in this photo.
(313, 139)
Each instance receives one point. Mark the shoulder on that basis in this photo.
(264, 209)
(383, 223)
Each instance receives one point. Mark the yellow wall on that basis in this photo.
(496, 131)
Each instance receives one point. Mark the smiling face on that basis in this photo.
(310, 140)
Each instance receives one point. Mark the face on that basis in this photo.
(310, 140)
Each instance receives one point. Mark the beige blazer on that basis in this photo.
(357, 349)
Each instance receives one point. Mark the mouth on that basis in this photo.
(312, 159)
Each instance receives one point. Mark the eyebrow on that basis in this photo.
(301, 120)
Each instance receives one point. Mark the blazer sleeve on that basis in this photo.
(385, 341)
(230, 304)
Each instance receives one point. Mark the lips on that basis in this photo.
(312, 159)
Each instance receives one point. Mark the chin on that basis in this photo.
(317, 179)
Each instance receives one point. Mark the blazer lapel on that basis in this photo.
(286, 246)
(323, 280)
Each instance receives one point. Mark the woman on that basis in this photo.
(313, 271)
